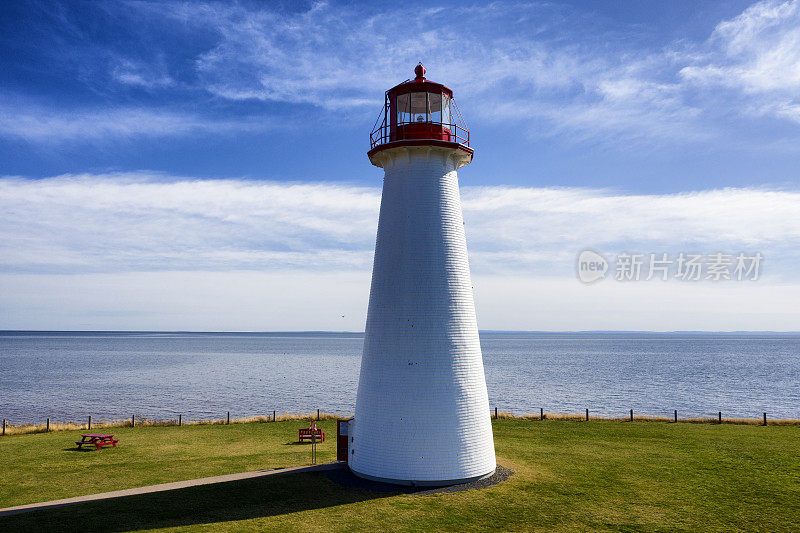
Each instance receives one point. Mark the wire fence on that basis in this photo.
(496, 413)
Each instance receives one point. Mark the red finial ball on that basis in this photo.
(420, 71)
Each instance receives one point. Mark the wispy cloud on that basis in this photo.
(551, 71)
(550, 66)
(35, 122)
(522, 229)
(140, 222)
(144, 222)
(149, 75)
(757, 54)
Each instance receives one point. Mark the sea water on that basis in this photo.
(68, 376)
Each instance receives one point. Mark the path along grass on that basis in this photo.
(603, 475)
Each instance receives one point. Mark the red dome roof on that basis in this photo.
(419, 84)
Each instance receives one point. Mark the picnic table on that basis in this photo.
(311, 433)
(97, 440)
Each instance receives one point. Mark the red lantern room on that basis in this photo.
(419, 112)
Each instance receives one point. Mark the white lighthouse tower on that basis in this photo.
(422, 411)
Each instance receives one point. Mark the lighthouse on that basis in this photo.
(422, 410)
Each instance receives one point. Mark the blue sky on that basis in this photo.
(625, 95)
(645, 125)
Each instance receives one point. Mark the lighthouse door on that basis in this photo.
(341, 439)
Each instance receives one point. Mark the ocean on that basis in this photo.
(68, 376)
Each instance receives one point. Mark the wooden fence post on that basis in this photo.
(4, 426)
(587, 415)
(495, 413)
(676, 416)
(133, 421)
(631, 415)
(765, 419)
(180, 420)
(48, 425)
(317, 415)
(541, 413)
(274, 418)
(229, 418)
(720, 417)
(90, 422)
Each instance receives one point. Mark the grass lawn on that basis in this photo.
(599, 475)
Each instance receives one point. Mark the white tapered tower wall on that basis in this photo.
(422, 410)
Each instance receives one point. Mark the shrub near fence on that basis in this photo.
(137, 421)
(47, 426)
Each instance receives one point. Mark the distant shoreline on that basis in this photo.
(361, 333)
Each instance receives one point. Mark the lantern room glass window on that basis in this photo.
(421, 107)
(445, 110)
(403, 109)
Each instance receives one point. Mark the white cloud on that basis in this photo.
(551, 71)
(138, 251)
(758, 54)
(139, 222)
(42, 124)
(338, 56)
(143, 74)
(538, 70)
(541, 230)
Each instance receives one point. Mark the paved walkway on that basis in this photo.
(166, 486)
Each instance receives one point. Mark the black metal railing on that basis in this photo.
(384, 132)
(449, 132)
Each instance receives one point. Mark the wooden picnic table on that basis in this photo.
(97, 440)
(311, 434)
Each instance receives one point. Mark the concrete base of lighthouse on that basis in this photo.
(422, 410)
(422, 482)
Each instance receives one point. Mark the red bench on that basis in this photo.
(310, 434)
(97, 440)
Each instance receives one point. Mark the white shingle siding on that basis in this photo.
(422, 411)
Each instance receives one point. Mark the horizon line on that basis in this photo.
(344, 332)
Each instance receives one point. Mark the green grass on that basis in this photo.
(600, 475)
